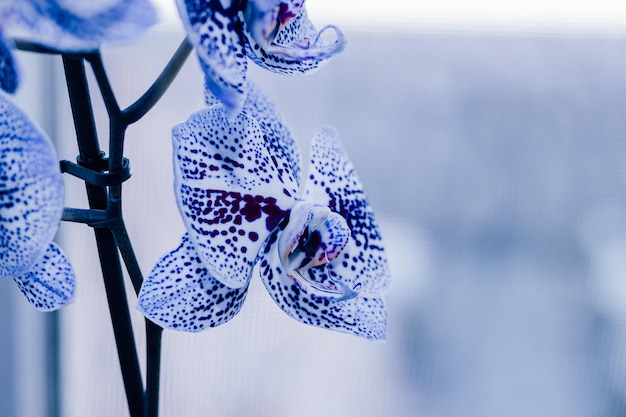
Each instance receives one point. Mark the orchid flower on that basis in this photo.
(9, 76)
(275, 34)
(31, 204)
(320, 253)
(77, 25)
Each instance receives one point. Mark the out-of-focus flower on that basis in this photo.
(77, 25)
(31, 204)
(275, 34)
(320, 253)
(9, 78)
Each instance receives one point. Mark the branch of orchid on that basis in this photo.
(99, 199)
(153, 368)
(128, 254)
(140, 107)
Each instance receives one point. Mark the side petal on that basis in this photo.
(215, 31)
(360, 316)
(297, 49)
(31, 191)
(230, 191)
(333, 182)
(9, 76)
(51, 283)
(78, 25)
(181, 294)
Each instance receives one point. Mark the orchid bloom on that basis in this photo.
(320, 253)
(275, 34)
(31, 204)
(77, 25)
(9, 76)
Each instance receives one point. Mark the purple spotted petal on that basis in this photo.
(31, 191)
(259, 106)
(79, 25)
(360, 316)
(9, 78)
(230, 191)
(215, 31)
(181, 294)
(333, 182)
(50, 284)
(297, 49)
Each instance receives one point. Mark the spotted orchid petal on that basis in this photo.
(31, 191)
(297, 49)
(344, 293)
(78, 25)
(259, 106)
(50, 284)
(214, 28)
(333, 182)
(9, 77)
(230, 191)
(31, 204)
(181, 294)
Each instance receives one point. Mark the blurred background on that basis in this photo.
(491, 143)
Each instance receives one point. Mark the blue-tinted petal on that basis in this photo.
(79, 25)
(31, 191)
(262, 109)
(9, 77)
(360, 316)
(333, 182)
(181, 294)
(215, 31)
(259, 106)
(297, 49)
(230, 191)
(50, 284)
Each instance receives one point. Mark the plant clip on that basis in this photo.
(95, 172)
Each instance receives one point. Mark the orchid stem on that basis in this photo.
(107, 248)
(140, 107)
(103, 181)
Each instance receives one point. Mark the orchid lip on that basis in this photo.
(313, 238)
(337, 290)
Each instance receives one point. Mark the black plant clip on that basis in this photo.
(96, 172)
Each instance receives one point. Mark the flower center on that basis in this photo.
(313, 237)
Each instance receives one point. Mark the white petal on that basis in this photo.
(181, 294)
(31, 191)
(215, 31)
(230, 191)
(333, 182)
(74, 26)
(51, 283)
